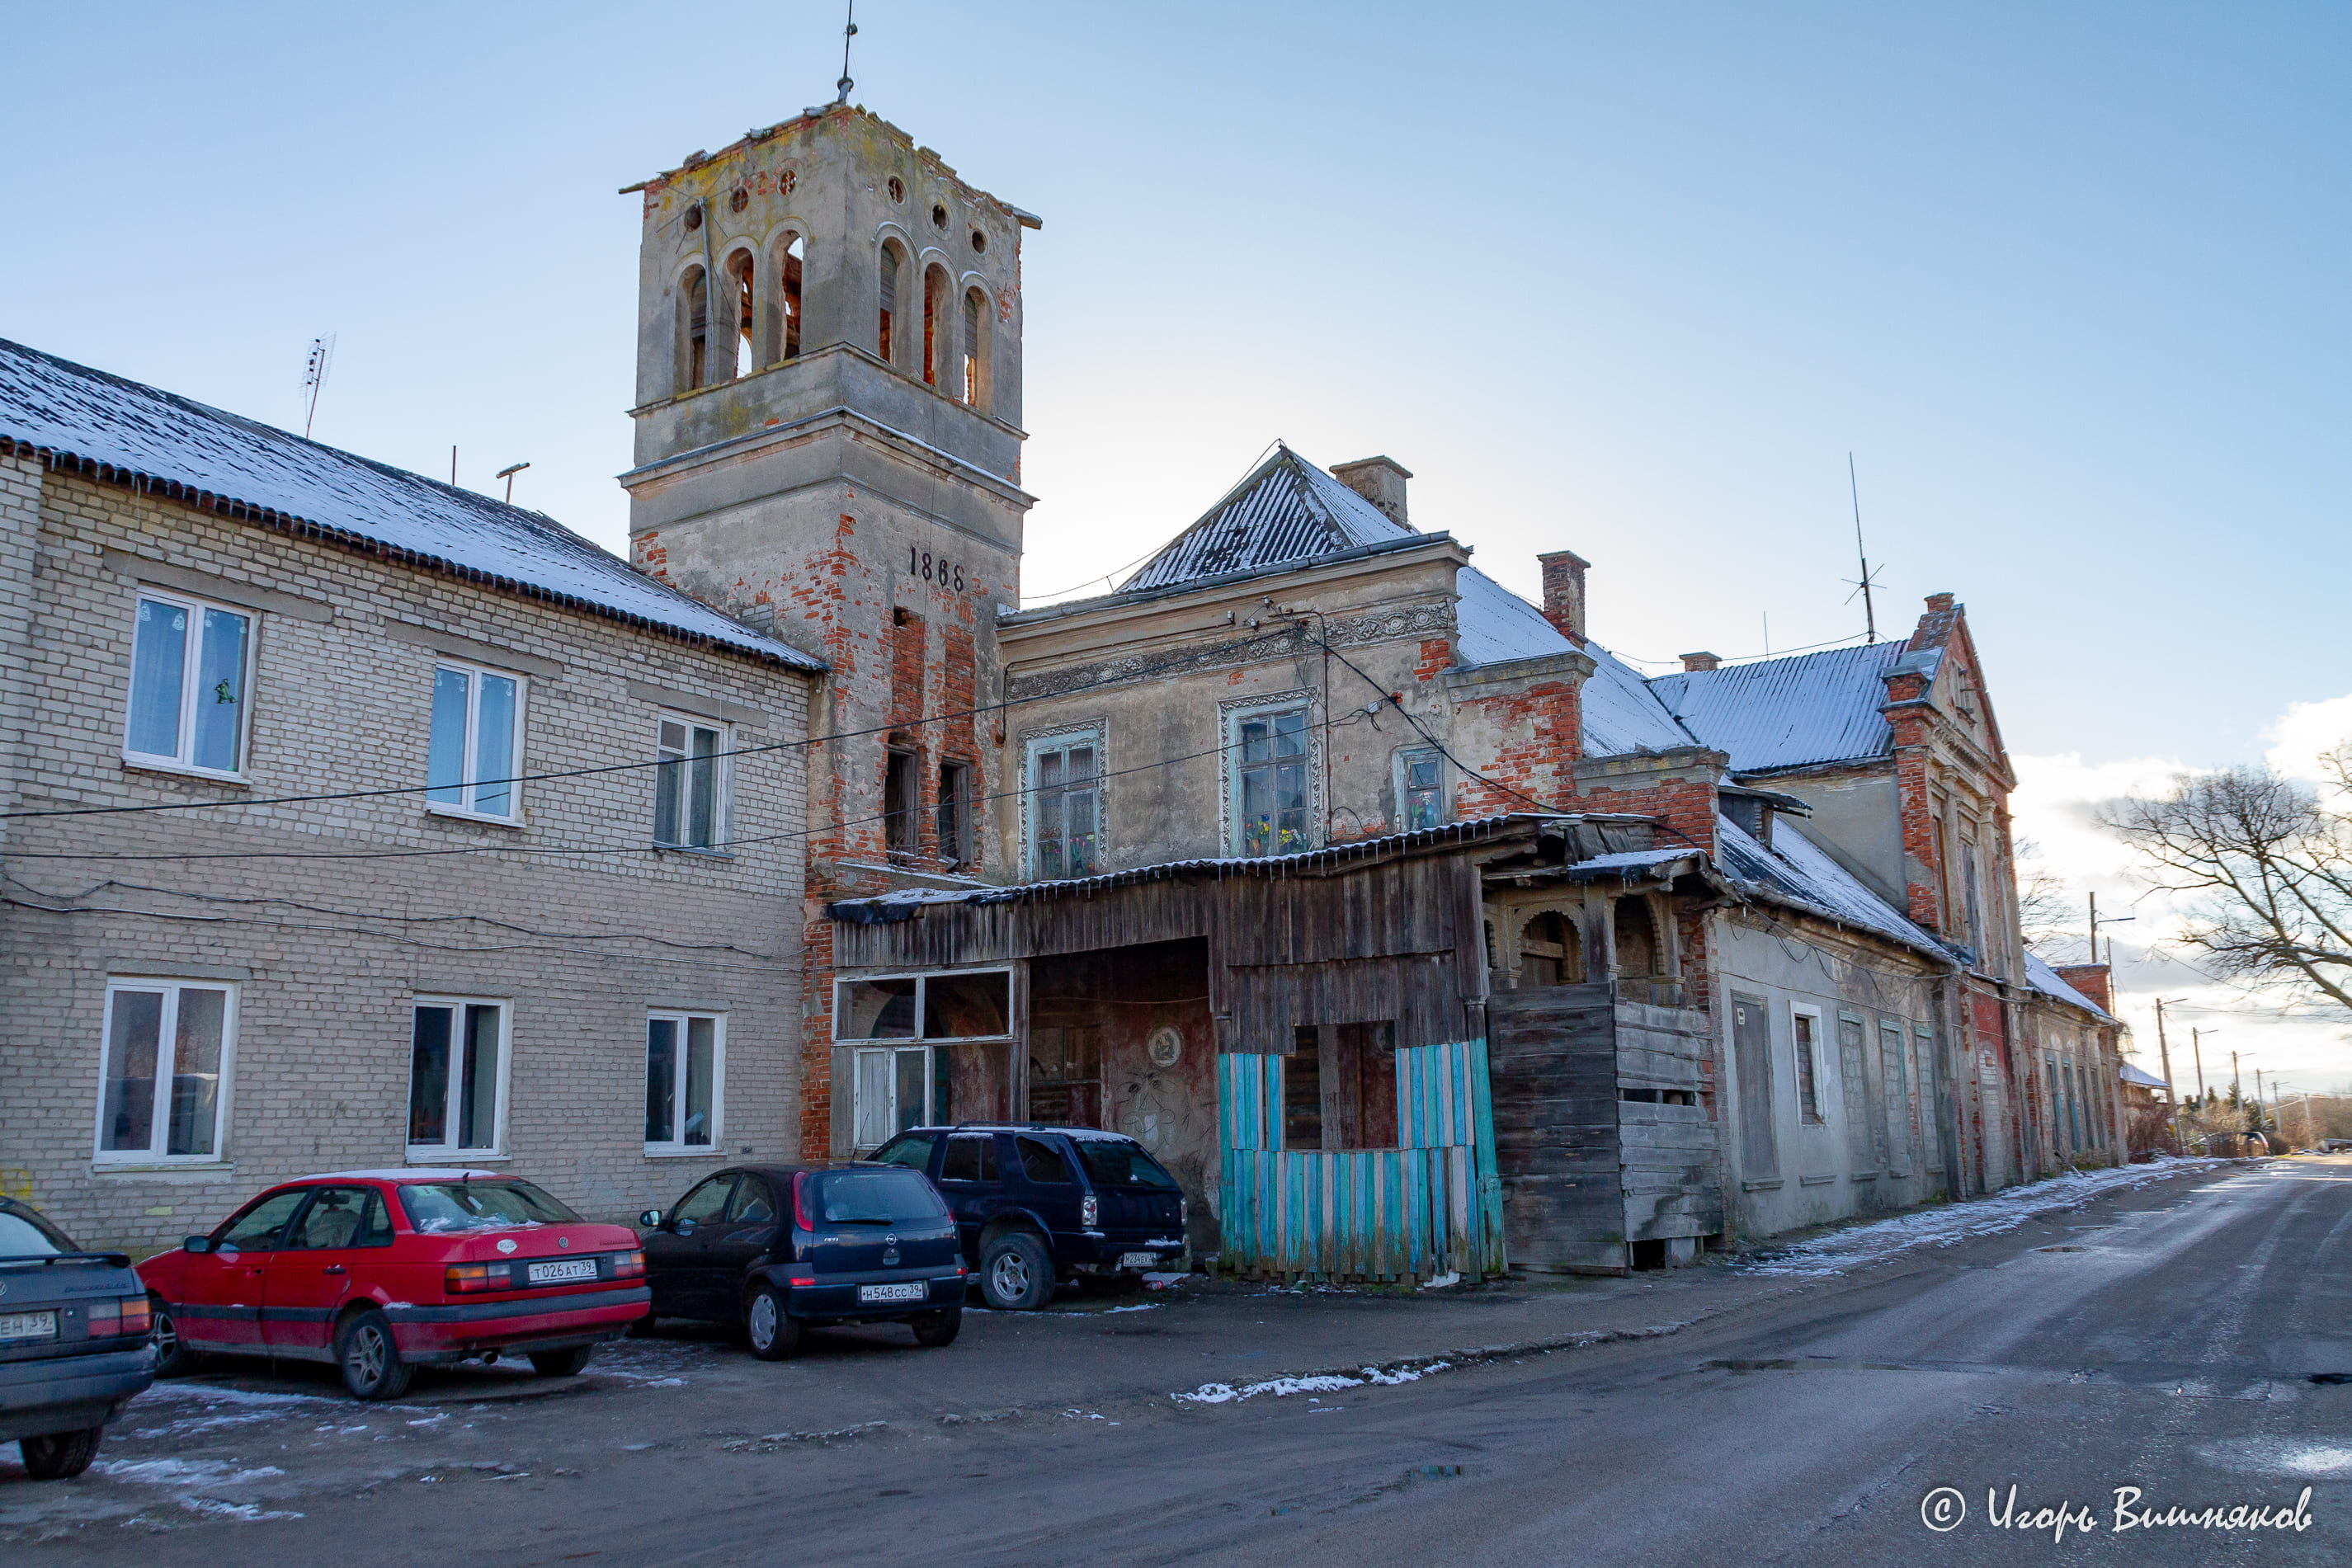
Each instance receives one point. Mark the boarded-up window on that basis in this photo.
(1549, 953)
(1893, 1073)
(1302, 1090)
(1365, 1093)
(1865, 1126)
(1751, 1045)
(1809, 1089)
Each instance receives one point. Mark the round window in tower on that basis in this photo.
(979, 242)
(898, 189)
(739, 200)
(939, 217)
(694, 217)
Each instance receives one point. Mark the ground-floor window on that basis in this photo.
(163, 1079)
(685, 1064)
(897, 1088)
(456, 1077)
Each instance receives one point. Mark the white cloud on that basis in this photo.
(2057, 805)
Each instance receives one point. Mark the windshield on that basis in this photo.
(1116, 1163)
(24, 1234)
(437, 1208)
(879, 1197)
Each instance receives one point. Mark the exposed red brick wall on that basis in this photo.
(1533, 770)
(2094, 980)
(1563, 592)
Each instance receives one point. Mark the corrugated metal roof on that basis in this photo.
(1287, 510)
(1798, 871)
(1789, 713)
(157, 436)
(1621, 713)
(2131, 1074)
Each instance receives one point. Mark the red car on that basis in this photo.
(379, 1271)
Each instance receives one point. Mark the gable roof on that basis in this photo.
(1286, 510)
(1797, 871)
(1795, 712)
(128, 431)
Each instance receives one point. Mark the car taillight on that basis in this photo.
(627, 1265)
(1090, 1212)
(126, 1316)
(801, 1218)
(464, 1277)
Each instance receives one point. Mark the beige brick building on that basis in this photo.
(552, 924)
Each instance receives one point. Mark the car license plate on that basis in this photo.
(562, 1268)
(1139, 1259)
(29, 1325)
(912, 1291)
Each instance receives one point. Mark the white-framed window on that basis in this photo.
(1269, 776)
(686, 1075)
(476, 749)
(457, 1078)
(899, 1026)
(191, 667)
(690, 779)
(1805, 1033)
(165, 1074)
(1062, 800)
(1420, 789)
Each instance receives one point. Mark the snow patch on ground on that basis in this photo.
(1444, 1281)
(184, 1472)
(211, 1394)
(245, 1513)
(1859, 1246)
(1314, 1383)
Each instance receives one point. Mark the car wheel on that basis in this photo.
(562, 1363)
(937, 1328)
(173, 1358)
(774, 1333)
(371, 1362)
(1015, 1274)
(60, 1456)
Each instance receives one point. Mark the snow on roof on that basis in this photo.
(79, 413)
(413, 1172)
(2047, 981)
(1622, 714)
(1788, 713)
(1286, 510)
(1798, 871)
(1494, 626)
(2131, 1074)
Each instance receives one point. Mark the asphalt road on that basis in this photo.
(2185, 1339)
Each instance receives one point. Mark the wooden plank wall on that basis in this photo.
(1671, 1156)
(1557, 1126)
(1411, 1212)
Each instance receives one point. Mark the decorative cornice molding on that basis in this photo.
(1434, 619)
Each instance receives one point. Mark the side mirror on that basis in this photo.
(196, 1244)
(650, 1220)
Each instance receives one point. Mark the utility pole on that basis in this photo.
(2164, 1054)
(2197, 1050)
(2096, 923)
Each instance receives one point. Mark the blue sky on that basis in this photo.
(2067, 280)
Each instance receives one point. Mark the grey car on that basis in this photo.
(74, 1345)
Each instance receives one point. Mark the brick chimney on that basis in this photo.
(1563, 586)
(2094, 980)
(1693, 662)
(1381, 481)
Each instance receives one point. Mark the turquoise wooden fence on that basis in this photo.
(1429, 1206)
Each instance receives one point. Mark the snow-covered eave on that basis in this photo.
(1765, 892)
(105, 472)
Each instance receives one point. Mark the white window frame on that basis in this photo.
(183, 761)
(447, 1151)
(1404, 757)
(888, 1050)
(681, 1017)
(1816, 1052)
(1094, 732)
(920, 977)
(159, 1113)
(468, 769)
(722, 813)
(1229, 717)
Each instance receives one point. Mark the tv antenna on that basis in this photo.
(1863, 586)
(848, 32)
(314, 378)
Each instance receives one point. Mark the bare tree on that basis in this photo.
(2268, 861)
(2045, 915)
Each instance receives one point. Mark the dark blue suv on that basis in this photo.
(1036, 1204)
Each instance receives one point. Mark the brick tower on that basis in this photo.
(828, 446)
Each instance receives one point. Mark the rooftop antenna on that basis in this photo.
(314, 376)
(1869, 610)
(508, 474)
(847, 33)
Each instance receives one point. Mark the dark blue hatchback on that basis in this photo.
(774, 1249)
(1034, 1204)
